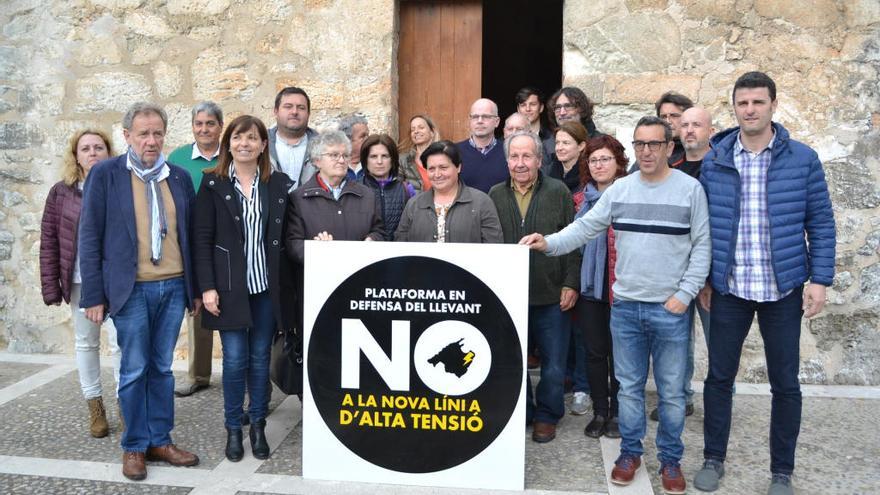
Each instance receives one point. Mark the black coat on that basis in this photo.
(218, 250)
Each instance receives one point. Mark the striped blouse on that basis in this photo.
(254, 248)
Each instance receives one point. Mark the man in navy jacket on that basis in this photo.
(772, 231)
(136, 268)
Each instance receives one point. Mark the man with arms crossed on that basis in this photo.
(662, 239)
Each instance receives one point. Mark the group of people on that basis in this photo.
(737, 223)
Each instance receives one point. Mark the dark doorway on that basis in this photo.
(522, 46)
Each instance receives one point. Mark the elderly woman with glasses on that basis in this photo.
(330, 206)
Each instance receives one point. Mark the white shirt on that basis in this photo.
(291, 156)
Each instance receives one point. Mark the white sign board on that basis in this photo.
(414, 363)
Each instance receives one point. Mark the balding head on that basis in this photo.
(516, 122)
(483, 119)
(695, 131)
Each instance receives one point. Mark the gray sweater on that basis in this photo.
(661, 232)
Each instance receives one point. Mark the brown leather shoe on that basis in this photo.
(625, 469)
(673, 480)
(133, 466)
(543, 432)
(172, 455)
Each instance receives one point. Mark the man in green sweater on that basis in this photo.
(207, 125)
(528, 201)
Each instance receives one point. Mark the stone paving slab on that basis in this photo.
(54, 420)
(13, 484)
(14, 372)
(837, 451)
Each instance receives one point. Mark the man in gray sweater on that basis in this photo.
(660, 221)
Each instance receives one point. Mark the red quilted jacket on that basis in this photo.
(58, 242)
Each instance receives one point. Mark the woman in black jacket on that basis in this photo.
(238, 252)
(380, 160)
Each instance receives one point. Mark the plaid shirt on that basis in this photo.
(752, 277)
(487, 149)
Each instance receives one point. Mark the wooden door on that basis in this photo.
(439, 61)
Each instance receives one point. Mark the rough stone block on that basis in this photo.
(619, 44)
(167, 79)
(111, 91)
(852, 185)
(197, 7)
(118, 4)
(862, 12)
(636, 5)
(621, 88)
(19, 135)
(713, 10)
(580, 14)
(100, 50)
(221, 75)
(148, 25)
(869, 283)
(803, 13)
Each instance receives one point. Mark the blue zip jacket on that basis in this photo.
(797, 202)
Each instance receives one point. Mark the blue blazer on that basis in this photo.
(108, 256)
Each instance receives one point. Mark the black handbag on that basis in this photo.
(286, 362)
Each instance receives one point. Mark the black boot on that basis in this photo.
(259, 446)
(234, 448)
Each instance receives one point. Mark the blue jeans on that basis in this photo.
(246, 353)
(780, 325)
(689, 371)
(552, 332)
(147, 327)
(643, 331)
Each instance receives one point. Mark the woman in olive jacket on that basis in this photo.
(241, 268)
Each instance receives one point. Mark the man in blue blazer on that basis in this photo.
(134, 252)
(772, 231)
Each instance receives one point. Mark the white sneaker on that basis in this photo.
(580, 404)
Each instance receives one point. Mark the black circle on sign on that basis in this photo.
(408, 449)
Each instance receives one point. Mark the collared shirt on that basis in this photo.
(252, 223)
(752, 277)
(487, 149)
(523, 199)
(291, 157)
(335, 191)
(197, 153)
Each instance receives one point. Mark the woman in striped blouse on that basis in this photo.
(238, 252)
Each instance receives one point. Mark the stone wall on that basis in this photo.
(68, 64)
(825, 58)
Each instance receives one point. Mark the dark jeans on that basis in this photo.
(594, 320)
(780, 326)
(552, 332)
(147, 327)
(246, 354)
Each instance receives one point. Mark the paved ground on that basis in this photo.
(46, 448)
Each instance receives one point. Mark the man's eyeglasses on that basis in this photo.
(482, 116)
(652, 145)
(564, 106)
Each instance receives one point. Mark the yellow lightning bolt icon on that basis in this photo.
(468, 358)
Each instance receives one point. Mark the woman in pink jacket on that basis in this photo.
(59, 267)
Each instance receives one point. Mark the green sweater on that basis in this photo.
(549, 211)
(182, 157)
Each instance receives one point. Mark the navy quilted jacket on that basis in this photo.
(797, 203)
